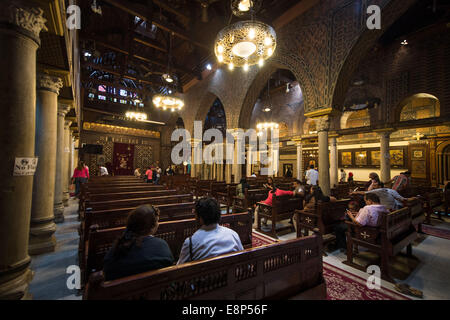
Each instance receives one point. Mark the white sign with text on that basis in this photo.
(25, 166)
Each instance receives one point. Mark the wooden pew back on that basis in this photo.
(126, 203)
(278, 271)
(174, 232)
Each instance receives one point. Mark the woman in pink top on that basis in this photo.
(268, 201)
(80, 175)
(149, 174)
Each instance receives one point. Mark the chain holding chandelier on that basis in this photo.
(245, 43)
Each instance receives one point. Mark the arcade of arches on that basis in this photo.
(344, 98)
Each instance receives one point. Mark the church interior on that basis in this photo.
(339, 111)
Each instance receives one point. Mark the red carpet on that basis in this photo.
(341, 285)
(436, 231)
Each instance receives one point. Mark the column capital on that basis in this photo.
(48, 82)
(63, 109)
(67, 124)
(29, 18)
(323, 123)
(385, 132)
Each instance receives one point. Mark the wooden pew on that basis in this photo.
(395, 232)
(324, 217)
(94, 197)
(252, 196)
(134, 202)
(286, 270)
(174, 232)
(202, 187)
(282, 208)
(341, 191)
(226, 197)
(417, 212)
(433, 203)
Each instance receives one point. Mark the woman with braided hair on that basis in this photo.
(137, 250)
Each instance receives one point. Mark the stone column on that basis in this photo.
(249, 162)
(385, 157)
(323, 125)
(66, 162)
(195, 159)
(334, 180)
(42, 228)
(19, 39)
(60, 173)
(298, 143)
(236, 167)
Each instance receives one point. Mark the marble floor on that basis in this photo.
(432, 274)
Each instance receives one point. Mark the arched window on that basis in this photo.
(355, 119)
(419, 106)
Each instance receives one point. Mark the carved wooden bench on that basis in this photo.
(282, 208)
(286, 270)
(395, 232)
(174, 232)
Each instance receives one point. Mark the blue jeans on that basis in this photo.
(78, 182)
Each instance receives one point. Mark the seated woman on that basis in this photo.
(269, 184)
(137, 251)
(315, 196)
(240, 188)
(211, 239)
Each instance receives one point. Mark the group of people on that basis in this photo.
(369, 205)
(138, 250)
(153, 173)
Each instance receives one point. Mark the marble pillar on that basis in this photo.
(385, 157)
(19, 39)
(66, 162)
(323, 125)
(60, 173)
(236, 167)
(334, 180)
(42, 227)
(196, 158)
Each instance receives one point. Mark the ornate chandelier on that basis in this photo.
(167, 102)
(261, 126)
(140, 116)
(245, 43)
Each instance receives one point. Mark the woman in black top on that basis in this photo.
(137, 251)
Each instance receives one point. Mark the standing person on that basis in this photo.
(312, 176)
(343, 175)
(80, 176)
(102, 171)
(137, 172)
(240, 188)
(288, 173)
(158, 174)
(350, 177)
(149, 174)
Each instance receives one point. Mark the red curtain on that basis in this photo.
(123, 157)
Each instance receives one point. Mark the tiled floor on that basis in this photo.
(432, 275)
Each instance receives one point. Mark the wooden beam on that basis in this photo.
(168, 8)
(150, 44)
(152, 61)
(132, 9)
(293, 12)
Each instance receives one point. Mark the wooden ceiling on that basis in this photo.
(132, 42)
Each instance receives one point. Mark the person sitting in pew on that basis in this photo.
(367, 216)
(269, 184)
(137, 250)
(240, 188)
(211, 239)
(390, 198)
(314, 197)
(299, 188)
(268, 201)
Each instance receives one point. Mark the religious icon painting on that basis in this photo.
(361, 158)
(346, 158)
(397, 158)
(375, 156)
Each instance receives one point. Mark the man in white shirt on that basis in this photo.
(389, 198)
(211, 240)
(343, 175)
(103, 171)
(312, 176)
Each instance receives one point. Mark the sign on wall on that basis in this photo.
(25, 166)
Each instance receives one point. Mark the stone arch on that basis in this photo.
(352, 116)
(283, 60)
(366, 41)
(413, 98)
(309, 126)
